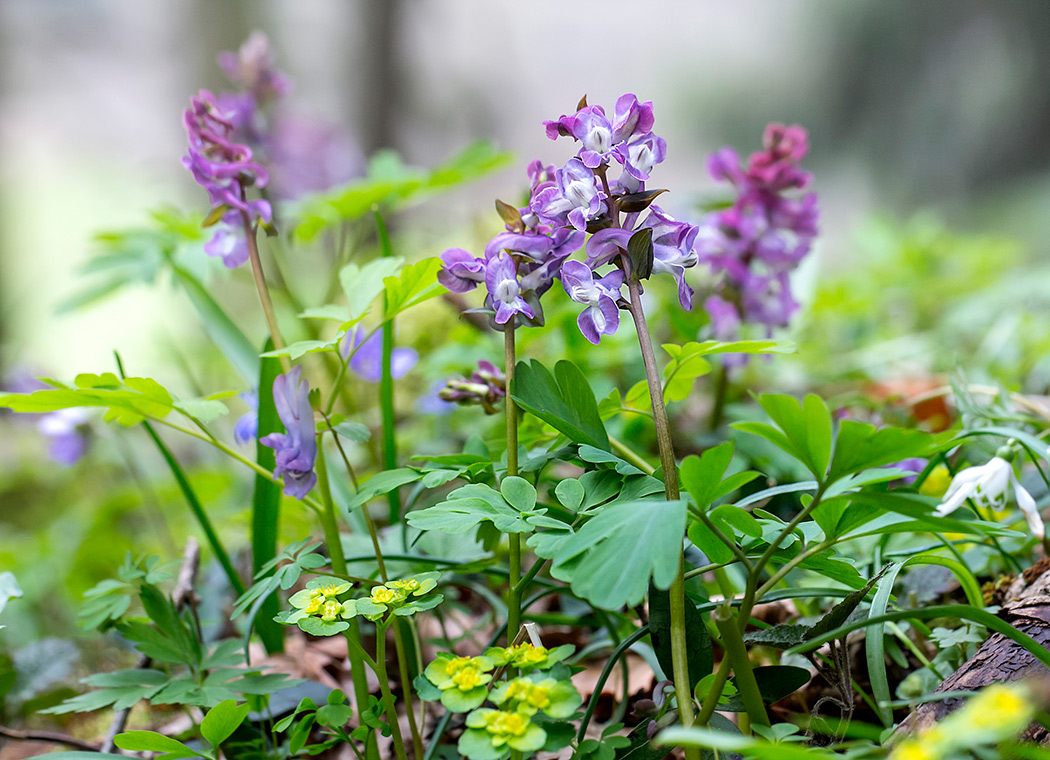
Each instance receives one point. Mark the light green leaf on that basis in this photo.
(151, 741)
(328, 311)
(205, 410)
(416, 284)
(519, 493)
(303, 347)
(616, 552)
(362, 284)
(222, 720)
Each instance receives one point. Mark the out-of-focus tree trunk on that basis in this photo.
(219, 25)
(382, 86)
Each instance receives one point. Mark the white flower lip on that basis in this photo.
(987, 485)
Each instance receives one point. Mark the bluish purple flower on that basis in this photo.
(367, 361)
(247, 425)
(68, 433)
(601, 297)
(219, 165)
(638, 159)
(725, 319)
(229, 243)
(308, 156)
(504, 297)
(573, 199)
(296, 448)
(462, 272)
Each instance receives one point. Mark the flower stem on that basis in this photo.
(514, 603)
(264, 293)
(388, 698)
(386, 388)
(736, 653)
(679, 657)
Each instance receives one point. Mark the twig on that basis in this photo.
(47, 736)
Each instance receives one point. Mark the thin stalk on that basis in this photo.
(514, 578)
(198, 510)
(260, 286)
(386, 387)
(679, 644)
(736, 654)
(630, 455)
(718, 685)
(388, 698)
(406, 686)
(355, 651)
(718, 402)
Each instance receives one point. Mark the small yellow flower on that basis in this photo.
(330, 611)
(467, 678)
(526, 654)
(314, 605)
(384, 595)
(936, 482)
(505, 723)
(406, 586)
(456, 664)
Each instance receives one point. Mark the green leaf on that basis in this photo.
(563, 400)
(519, 493)
(383, 483)
(222, 720)
(203, 409)
(151, 741)
(416, 284)
(469, 506)
(616, 553)
(9, 588)
(363, 284)
(688, 362)
(774, 683)
(303, 347)
(353, 431)
(698, 640)
(570, 494)
(702, 475)
(803, 429)
(127, 402)
(861, 446)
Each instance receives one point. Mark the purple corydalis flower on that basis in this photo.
(462, 272)
(68, 433)
(573, 199)
(485, 387)
(295, 449)
(367, 361)
(253, 68)
(229, 243)
(219, 165)
(601, 297)
(504, 297)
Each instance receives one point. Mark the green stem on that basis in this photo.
(679, 642)
(260, 286)
(718, 685)
(386, 387)
(198, 510)
(406, 687)
(388, 698)
(630, 455)
(718, 403)
(736, 653)
(514, 579)
(355, 651)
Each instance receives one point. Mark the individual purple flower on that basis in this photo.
(229, 243)
(725, 319)
(601, 297)
(222, 167)
(638, 159)
(504, 297)
(673, 250)
(767, 300)
(573, 199)
(68, 433)
(462, 272)
(247, 425)
(367, 361)
(485, 387)
(253, 68)
(296, 448)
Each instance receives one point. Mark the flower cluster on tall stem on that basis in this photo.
(756, 242)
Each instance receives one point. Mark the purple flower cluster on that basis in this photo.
(225, 169)
(296, 448)
(367, 361)
(565, 204)
(756, 242)
(485, 387)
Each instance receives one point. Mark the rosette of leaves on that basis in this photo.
(527, 656)
(400, 597)
(316, 608)
(531, 694)
(461, 683)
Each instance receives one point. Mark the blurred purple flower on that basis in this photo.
(247, 426)
(222, 167)
(367, 361)
(295, 449)
(229, 243)
(309, 157)
(485, 387)
(601, 297)
(68, 432)
(253, 69)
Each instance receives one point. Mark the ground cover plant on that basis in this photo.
(792, 575)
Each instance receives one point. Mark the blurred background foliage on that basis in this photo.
(927, 123)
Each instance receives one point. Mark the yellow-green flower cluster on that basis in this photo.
(316, 609)
(529, 695)
(462, 680)
(399, 597)
(491, 732)
(994, 714)
(526, 656)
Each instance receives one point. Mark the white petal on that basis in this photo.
(1031, 513)
(961, 493)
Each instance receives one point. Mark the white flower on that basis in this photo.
(987, 485)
